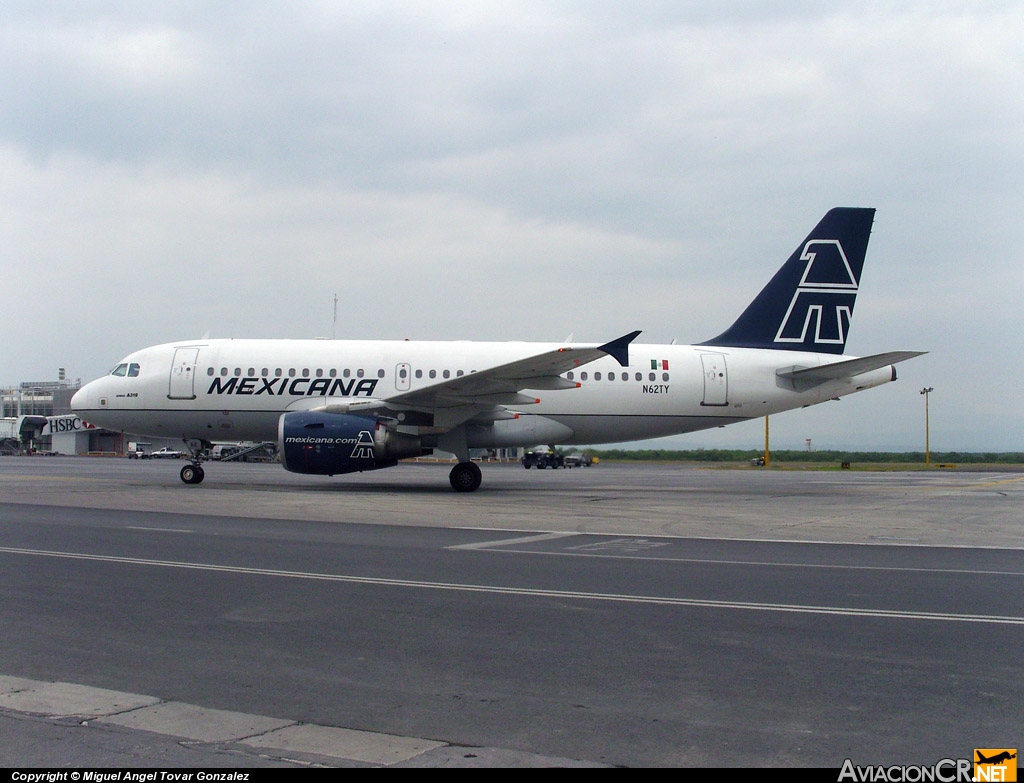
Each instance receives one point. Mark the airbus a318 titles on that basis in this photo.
(343, 406)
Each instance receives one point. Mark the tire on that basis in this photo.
(192, 474)
(465, 477)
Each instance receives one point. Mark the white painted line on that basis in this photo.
(574, 552)
(536, 592)
(513, 541)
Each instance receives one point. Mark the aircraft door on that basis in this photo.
(716, 379)
(403, 376)
(183, 372)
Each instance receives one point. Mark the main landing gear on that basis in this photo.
(465, 477)
(193, 473)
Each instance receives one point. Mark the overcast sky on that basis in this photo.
(519, 170)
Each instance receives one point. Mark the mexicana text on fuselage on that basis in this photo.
(296, 387)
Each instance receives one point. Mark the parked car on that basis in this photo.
(164, 453)
(543, 457)
(579, 460)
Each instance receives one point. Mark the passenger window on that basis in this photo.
(597, 376)
(419, 373)
(252, 373)
(360, 373)
(209, 371)
(651, 377)
(664, 376)
(459, 374)
(264, 372)
(277, 372)
(319, 373)
(224, 372)
(380, 373)
(305, 372)
(639, 376)
(238, 372)
(447, 373)
(583, 376)
(291, 372)
(570, 376)
(347, 372)
(433, 373)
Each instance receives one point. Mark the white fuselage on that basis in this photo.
(238, 389)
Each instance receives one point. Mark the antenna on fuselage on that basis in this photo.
(334, 327)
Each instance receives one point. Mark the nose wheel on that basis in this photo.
(193, 474)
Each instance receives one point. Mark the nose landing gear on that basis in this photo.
(193, 473)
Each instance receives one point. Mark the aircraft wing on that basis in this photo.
(487, 391)
(804, 378)
(503, 383)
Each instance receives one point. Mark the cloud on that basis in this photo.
(512, 171)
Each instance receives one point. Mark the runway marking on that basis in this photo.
(159, 529)
(998, 482)
(620, 548)
(892, 614)
(760, 563)
(510, 541)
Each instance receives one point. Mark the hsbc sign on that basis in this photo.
(69, 423)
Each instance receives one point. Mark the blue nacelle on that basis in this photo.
(326, 444)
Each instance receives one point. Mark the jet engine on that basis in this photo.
(328, 443)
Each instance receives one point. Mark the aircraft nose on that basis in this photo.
(79, 397)
(83, 399)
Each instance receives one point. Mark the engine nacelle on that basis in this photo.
(328, 443)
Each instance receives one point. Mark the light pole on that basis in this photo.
(927, 446)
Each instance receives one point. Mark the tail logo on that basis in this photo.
(824, 296)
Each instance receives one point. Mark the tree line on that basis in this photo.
(795, 455)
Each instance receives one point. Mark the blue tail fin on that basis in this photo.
(808, 305)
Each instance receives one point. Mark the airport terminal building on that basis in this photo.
(37, 416)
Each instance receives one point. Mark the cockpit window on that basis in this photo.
(125, 369)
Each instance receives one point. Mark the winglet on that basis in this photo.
(618, 349)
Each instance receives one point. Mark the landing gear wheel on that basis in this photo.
(465, 477)
(193, 474)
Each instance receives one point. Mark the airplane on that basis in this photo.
(997, 759)
(343, 406)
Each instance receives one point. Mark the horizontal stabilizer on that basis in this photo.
(804, 378)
